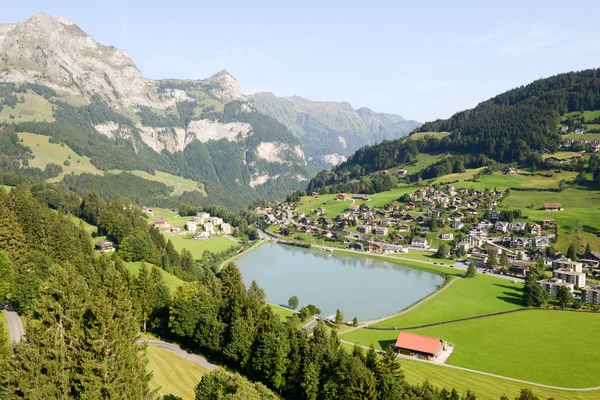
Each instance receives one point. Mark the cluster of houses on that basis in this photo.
(568, 273)
(203, 226)
(569, 143)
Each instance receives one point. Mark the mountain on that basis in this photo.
(517, 126)
(55, 80)
(330, 131)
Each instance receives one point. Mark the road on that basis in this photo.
(175, 349)
(15, 325)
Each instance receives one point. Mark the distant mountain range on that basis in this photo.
(330, 131)
(206, 130)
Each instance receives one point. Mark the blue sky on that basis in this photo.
(422, 60)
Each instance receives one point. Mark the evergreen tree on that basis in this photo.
(565, 297)
(339, 317)
(504, 258)
(572, 252)
(491, 259)
(442, 251)
(146, 294)
(6, 277)
(5, 348)
(588, 249)
(471, 271)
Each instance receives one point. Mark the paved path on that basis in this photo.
(175, 349)
(235, 257)
(15, 325)
(590, 389)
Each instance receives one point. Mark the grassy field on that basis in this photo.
(578, 204)
(179, 184)
(522, 179)
(518, 345)
(172, 217)
(423, 256)
(88, 228)
(198, 247)
(7, 188)
(464, 298)
(587, 136)
(462, 176)
(173, 374)
(171, 281)
(46, 153)
(284, 313)
(35, 108)
(422, 135)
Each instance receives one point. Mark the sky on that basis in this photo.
(422, 60)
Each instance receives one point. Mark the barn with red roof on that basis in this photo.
(426, 347)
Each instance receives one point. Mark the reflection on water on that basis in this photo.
(361, 287)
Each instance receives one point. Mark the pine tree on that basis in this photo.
(4, 345)
(146, 294)
(504, 259)
(588, 249)
(339, 317)
(6, 277)
(571, 252)
(234, 293)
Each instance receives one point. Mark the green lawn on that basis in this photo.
(587, 136)
(578, 204)
(35, 108)
(7, 188)
(284, 313)
(550, 347)
(423, 256)
(462, 176)
(172, 218)
(423, 135)
(173, 374)
(198, 247)
(178, 183)
(88, 228)
(46, 153)
(538, 346)
(464, 298)
(170, 280)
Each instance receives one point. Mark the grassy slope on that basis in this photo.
(173, 374)
(51, 153)
(422, 135)
(283, 312)
(197, 247)
(539, 346)
(35, 108)
(179, 184)
(170, 280)
(578, 204)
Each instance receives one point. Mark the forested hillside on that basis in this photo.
(515, 127)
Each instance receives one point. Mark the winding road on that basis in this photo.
(15, 325)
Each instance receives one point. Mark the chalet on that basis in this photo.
(541, 241)
(320, 211)
(501, 226)
(361, 197)
(471, 211)
(579, 130)
(384, 172)
(547, 222)
(495, 215)
(419, 243)
(511, 171)
(327, 223)
(424, 347)
(457, 225)
(564, 129)
(485, 225)
(341, 197)
(452, 208)
(409, 206)
(327, 234)
(381, 231)
(269, 219)
(357, 246)
(447, 236)
(160, 222)
(421, 219)
(403, 228)
(457, 216)
(315, 194)
(553, 207)
(397, 239)
(375, 248)
(519, 243)
(402, 172)
(568, 142)
(535, 229)
(518, 269)
(365, 228)
(104, 246)
(148, 210)
(592, 255)
(173, 229)
(423, 230)
(385, 222)
(517, 226)
(556, 160)
(354, 207)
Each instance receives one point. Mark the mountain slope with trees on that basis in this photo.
(518, 126)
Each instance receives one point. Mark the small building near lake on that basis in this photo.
(424, 347)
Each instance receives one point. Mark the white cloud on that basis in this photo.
(484, 39)
(537, 37)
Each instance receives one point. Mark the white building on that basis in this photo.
(226, 229)
(591, 294)
(209, 228)
(381, 230)
(553, 285)
(566, 263)
(420, 243)
(191, 226)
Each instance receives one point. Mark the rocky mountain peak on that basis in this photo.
(230, 87)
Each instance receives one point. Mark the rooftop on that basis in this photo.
(423, 344)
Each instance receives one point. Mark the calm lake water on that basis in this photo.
(358, 286)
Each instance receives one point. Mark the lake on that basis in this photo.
(361, 287)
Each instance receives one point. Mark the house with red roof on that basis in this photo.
(425, 347)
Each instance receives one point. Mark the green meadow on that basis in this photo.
(35, 108)
(198, 247)
(170, 280)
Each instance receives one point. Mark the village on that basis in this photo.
(463, 224)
